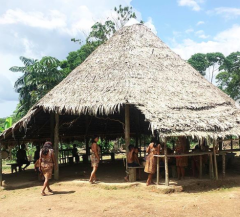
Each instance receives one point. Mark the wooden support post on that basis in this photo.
(158, 172)
(56, 148)
(220, 144)
(166, 163)
(127, 127)
(1, 178)
(137, 128)
(52, 125)
(87, 138)
(215, 159)
(223, 165)
(211, 175)
(140, 142)
(200, 169)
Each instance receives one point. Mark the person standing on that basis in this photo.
(36, 154)
(95, 158)
(22, 157)
(151, 163)
(46, 163)
(75, 153)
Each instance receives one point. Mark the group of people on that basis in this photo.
(156, 148)
(45, 159)
(150, 165)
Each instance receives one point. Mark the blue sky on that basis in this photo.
(169, 17)
(44, 28)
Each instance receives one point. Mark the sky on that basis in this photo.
(37, 28)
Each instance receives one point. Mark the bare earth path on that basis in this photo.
(78, 199)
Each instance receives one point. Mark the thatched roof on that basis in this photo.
(135, 67)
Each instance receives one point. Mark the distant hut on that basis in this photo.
(133, 82)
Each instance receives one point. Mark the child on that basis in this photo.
(130, 160)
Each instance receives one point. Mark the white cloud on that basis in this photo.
(226, 12)
(150, 25)
(189, 31)
(225, 42)
(200, 23)
(201, 34)
(53, 19)
(190, 3)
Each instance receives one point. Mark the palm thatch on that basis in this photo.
(135, 67)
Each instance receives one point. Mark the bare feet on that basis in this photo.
(43, 193)
(126, 179)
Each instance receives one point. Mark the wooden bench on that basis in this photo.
(14, 167)
(132, 172)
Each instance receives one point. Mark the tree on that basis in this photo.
(215, 60)
(199, 62)
(38, 78)
(101, 32)
(229, 78)
(75, 58)
(210, 61)
(124, 14)
(7, 123)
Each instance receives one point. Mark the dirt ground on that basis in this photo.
(74, 196)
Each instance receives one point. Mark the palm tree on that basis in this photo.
(38, 78)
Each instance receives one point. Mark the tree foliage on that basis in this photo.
(5, 124)
(199, 62)
(75, 58)
(38, 78)
(210, 61)
(124, 14)
(101, 32)
(229, 78)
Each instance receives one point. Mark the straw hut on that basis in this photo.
(132, 81)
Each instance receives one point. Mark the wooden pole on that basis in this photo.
(215, 159)
(211, 174)
(200, 169)
(52, 124)
(140, 142)
(223, 165)
(138, 128)
(56, 148)
(220, 145)
(86, 137)
(1, 178)
(166, 163)
(127, 127)
(158, 175)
